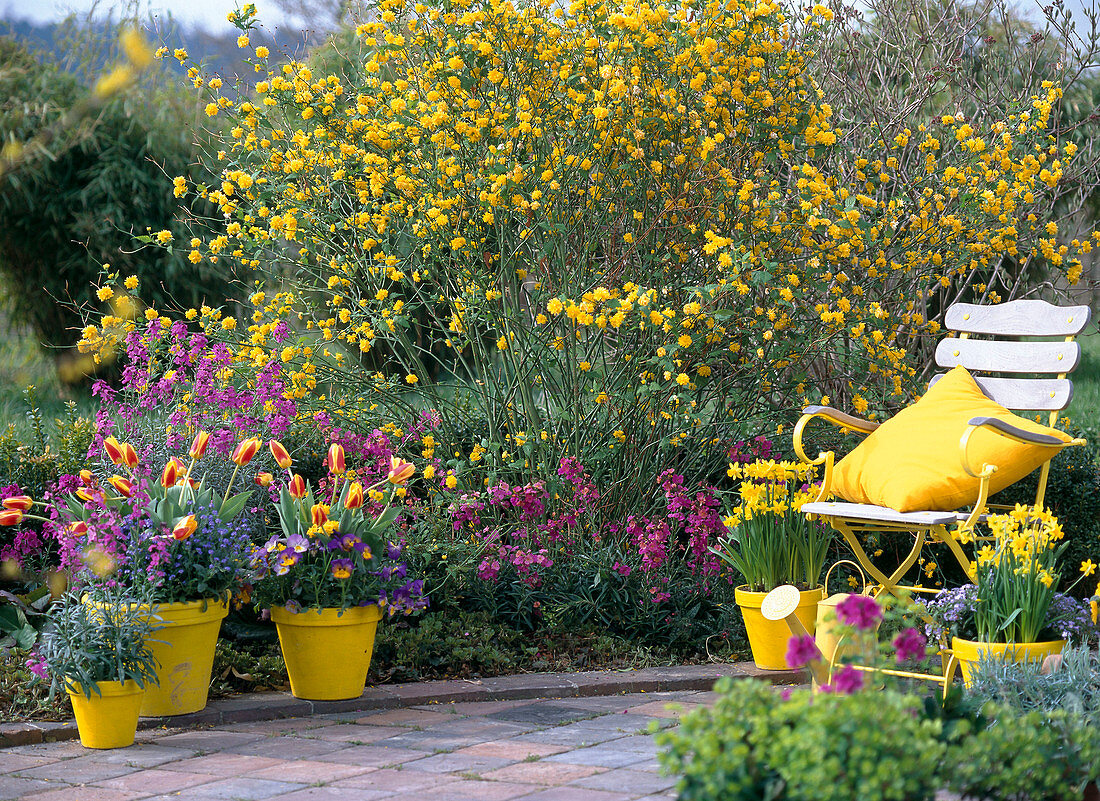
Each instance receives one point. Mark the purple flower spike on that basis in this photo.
(859, 611)
(801, 651)
(910, 645)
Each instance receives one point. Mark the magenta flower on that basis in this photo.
(910, 645)
(848, 681)
(801, 651)
(862, 612)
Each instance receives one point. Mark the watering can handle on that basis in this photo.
(862, 575)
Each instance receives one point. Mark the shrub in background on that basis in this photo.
(73, 203)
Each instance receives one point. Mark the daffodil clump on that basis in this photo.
(770, 542)
(620, 232)
(1017, 575)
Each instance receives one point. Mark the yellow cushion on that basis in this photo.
(912, 461)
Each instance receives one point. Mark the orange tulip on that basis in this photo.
(264, 479)
(336, 458)
(297, 487)
(198, 445)
(185, 527)
(114, 450)
(400, 470)
(78, 527)
(171, 474)
(83, 495)
(11, 517)
(354, 500)
(21, 502)
(245, 450)
(318, 514)
(124, 487)
(281, 454)
(129, 455)
(87, 478)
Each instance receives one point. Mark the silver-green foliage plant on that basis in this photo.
(1073, 686)
(102, 635)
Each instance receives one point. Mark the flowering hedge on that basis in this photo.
(624, 234)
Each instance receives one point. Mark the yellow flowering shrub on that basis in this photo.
(622, 231)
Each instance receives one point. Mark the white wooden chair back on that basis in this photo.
(1026, 375)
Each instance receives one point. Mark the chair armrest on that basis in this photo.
(1004, 429)
(839, 418)
(834, 416)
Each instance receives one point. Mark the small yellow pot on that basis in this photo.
(327, 654)
(969, 652)
(768, 638)
(109, 719)
(835, 646)
(184, 650)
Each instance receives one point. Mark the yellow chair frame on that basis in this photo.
(1020, 357)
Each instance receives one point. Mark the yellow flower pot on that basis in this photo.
(184, 650)
(109, 719)
(327, 654)
(969, 652)
(768, 638)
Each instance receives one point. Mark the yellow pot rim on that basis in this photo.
(327, 617)
(106, 688)
(746, 597)
(985, 644)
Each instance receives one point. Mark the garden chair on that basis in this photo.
(1014, 370)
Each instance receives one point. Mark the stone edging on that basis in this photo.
(276, 705)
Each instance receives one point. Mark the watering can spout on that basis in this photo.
(780, 604)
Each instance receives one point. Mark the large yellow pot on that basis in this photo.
(109, 719)
(327, 653)
(969, 652)
(768, 638)
(184, 650)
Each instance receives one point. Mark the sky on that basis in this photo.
(210, 14)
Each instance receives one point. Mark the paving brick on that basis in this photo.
(50, 750)
(210, 739)
(472, 790)
(603, 756)
(309, 771)
(542, 772)
(334, 794)
(140, 755)
(280, 726)
(374, 756)
(80, 770)
(225, 764)
(286, 748)
(156, 781)
(543, 713)
(9, 763)
(510, 749)
(459, 763)
(85, 793)
(392, 780)
(531, 685)
(626, 779)
(241, 788)
(576, 794)
(353, 732)
(664, 709)
(15, 787)
(404, 717)
(465, 708)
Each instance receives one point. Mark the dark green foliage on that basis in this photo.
(75, 203)
(1073, 494)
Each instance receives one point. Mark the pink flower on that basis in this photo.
(862, 612)
(910, 645)
(847, 681)
(801, 651)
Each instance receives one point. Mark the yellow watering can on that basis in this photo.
(831, 642)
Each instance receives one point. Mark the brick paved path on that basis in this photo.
(573, 749)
